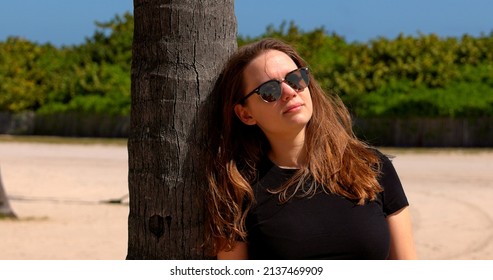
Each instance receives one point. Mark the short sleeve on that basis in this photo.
(393, 195)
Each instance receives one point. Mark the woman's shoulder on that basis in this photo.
(385, 161)
(381, 155)
(394, 197)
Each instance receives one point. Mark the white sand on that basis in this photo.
(56, 191)
(451, 193)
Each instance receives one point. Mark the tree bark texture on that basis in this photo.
(179, 48)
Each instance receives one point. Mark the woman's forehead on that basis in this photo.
(272, 63)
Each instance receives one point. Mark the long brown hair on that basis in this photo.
(336, 159)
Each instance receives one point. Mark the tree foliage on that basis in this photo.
(93, 77)
(423, 75)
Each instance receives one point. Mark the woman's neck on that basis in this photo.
(288, 151)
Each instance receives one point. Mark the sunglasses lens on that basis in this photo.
(270, 91)
(298, 79)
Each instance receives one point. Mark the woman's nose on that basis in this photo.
(287, 92)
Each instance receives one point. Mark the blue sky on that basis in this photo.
(66, 22)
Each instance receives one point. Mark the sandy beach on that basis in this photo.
(59, 192)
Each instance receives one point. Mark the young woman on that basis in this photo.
(288, 179)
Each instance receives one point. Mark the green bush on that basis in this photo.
(423, 75)
(93, 77)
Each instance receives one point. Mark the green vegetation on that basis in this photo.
(91, 78)
(407, 76)
(424, 76)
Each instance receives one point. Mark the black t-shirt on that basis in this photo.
(324, 226)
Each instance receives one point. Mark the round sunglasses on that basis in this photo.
(271, 91)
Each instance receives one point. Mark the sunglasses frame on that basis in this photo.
(244, 98)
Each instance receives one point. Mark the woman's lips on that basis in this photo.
(293, 108)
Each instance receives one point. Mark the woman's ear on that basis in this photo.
(244, 115)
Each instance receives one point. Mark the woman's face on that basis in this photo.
(287, 115)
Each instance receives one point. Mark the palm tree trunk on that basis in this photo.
(5, 209)
(178, 50)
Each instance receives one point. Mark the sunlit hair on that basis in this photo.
(336, 159)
